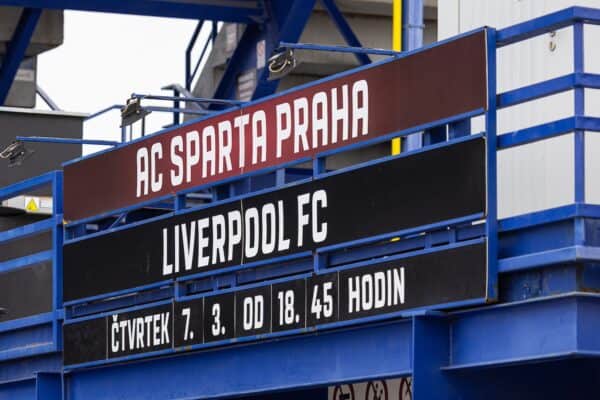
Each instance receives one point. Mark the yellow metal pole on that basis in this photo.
(396, 46)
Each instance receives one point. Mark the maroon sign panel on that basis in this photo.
(430, 85)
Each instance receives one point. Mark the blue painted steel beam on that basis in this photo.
(524, 332)
(345, 29)
(48, 386)
(246, 12)
(431, 352)
(27, 369)
(551, 328)
(362, 353)
(21, 389)
(15, 50)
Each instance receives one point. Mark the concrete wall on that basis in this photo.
(47, 35)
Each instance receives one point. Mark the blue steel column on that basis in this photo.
(413, 39)
(15, 50)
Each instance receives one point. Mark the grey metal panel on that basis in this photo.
(23, 90)
(47, 156)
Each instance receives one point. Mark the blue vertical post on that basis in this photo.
(176, 106)
(579, 135)
(214, 32)
(57, 260)
(188, 55)
(492, 176)
(413, 39)
(431, 352)
(48, 386)
(15, 50)
(579, 96)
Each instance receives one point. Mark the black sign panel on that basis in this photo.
(322, 299)
(436, 185)
(428, 280)
(26, 291)
(289, 305)
(140, 331)
(85, 341)
(253, 311)
(219, 317)
(189, 323)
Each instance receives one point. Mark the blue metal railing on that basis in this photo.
(191, 72)
(40, 333)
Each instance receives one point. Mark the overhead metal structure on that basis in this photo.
(240, 11)
(525, 324)
(16, 49)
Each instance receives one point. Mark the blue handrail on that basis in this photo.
(190, 74)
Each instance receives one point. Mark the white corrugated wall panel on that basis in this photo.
(540, 175)
(592, 109)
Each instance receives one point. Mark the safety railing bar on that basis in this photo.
(47, 99)
(190, 99)
(536, 133)
(28, 351)
(23, 261)
(200, 59)
(188, 54)
(546, 23)
(28, 230)
(194, 37)
(537, 90)
(104, 110)
(58, 140)
(338, 49)
(27, 185)
(181, 110)
(589, 81)
(176, 87)
(548, 130)
(25, 322)
(547, 88)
